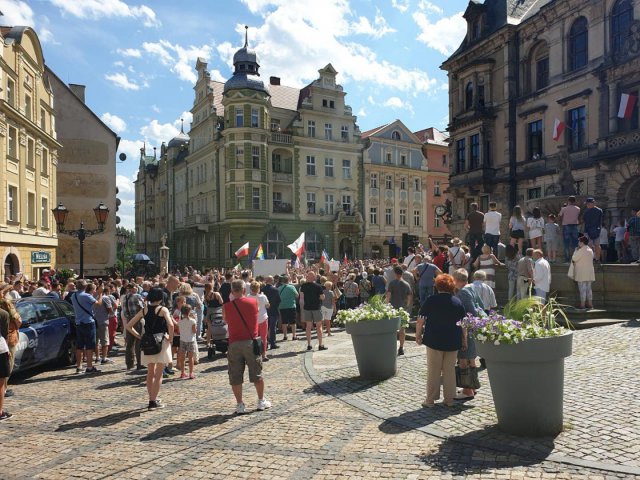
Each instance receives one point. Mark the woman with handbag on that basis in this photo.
(439, 315)
(581, 271)
(155, 342)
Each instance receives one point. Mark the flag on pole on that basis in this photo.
(627, 104)
(345, 260)
(325, 257)
(297, 247)
(243, 251)
(297, 263)
(558, 128)
(260, 253)
(238, 267)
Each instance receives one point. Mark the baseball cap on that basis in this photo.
(591, 200)
(394, 260)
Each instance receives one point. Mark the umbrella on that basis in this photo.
(140, 257)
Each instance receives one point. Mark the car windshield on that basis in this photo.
(27, 312)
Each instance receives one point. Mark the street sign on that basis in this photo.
(40, 257)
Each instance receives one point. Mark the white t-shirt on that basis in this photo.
(619, 231)
(186, 325)
(263, 316)
(492, 221)
(604, 236)
(535, 226)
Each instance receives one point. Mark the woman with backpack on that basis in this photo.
(365, 287)
(213, 303)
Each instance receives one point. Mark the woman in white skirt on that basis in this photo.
(156, 320)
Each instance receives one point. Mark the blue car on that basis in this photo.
(47, 333)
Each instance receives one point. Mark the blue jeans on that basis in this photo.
(541, 293)
(570, 237)
(492, 241)
(424, 292)
(273, 323)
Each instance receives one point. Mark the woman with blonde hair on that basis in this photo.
(328, 306)
(517, 225)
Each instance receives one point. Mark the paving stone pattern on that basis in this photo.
(76, 426)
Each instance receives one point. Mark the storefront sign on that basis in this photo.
(40, 257)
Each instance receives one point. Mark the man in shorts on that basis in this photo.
(400, 295)
(101, 314)
(83, 303)
(241, 317)
(311, 296)
(287, 307)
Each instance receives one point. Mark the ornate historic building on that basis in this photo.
(526, 66)
(29, 148)
(261, 164)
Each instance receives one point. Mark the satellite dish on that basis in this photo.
(123, 157)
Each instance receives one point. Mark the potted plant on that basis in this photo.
(373, 327)
(524, 350)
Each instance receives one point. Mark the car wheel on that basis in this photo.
(68, 352)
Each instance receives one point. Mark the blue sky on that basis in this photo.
(137, 59)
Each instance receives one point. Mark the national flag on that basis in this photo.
(325, 257)
(297, 247)
(238, 267)
(296, 264)
(243, 251)
(627, 104)
(260, 253)
(345, 260)
(558, 128)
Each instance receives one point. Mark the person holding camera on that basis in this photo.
(525, 275)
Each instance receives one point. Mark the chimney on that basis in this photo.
(274, 80)
(78, 90)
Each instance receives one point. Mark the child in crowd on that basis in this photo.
(552, 237)
(619, 231)
(180, 301)
(263, 316)
(188, 343)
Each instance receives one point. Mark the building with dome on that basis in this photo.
(262, 163)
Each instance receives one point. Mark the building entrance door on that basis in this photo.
(11, 265)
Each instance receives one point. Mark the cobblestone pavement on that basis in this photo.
(77, 426)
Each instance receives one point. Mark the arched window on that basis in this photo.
(395, 135)
(578, 44)
(274, 245)
(468, 96)
(540, 67)
(313, 242)
(621, 18)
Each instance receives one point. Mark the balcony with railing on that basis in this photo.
(283, 138)
(199, 219)
(282, 207)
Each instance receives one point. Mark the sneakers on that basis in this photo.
(92, 370)
(106, 360)
(309, 348)
(265, 359)
(263, 404)
(400, 351)
(155, 405)
(8, 393)
(169, 371)
(240, 408)
(322, 347)
(5, 416)
(78, 370)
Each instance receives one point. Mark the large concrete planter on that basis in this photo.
(527, 383)
(375, 346)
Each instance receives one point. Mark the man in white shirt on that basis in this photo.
(541, 275)
(491, 226)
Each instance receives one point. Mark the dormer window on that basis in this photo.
(476, 28)
(242, 67)
(251, 68)
(395, 135)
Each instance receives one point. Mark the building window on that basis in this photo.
(313, 245)
(578, 128)
(388, 182)
(579, 186)
(578, 44)
(274, 243)
(388, 216)
(395, 135)
(403, 160)
(279, 164)
(254, 118)
(13, 142)
(346, 204)
(12, 203)
(373, 182)
(461, 155)
(373, 215)
(27, 107)
(31, 209)
(444, 160)
(11, 92)
(255, 198)
(31, 154)
(328, 103)
(436, 221)
(275, 125)
(327, 131)
(328, 167)
(534, 193)
(346, 169)
(329, 204)
(311, 203)
(388, 157)
(277, 201)
(239, 117)
(542, 73)
(403, 183)
(436, 188)
(311, 128)
(44, 213)
(240, 198)
(239, 157)
(416, 184)
(311, 165)
(534, 140)
(255, 157)
(474, 143)
(621, 19)
(416, 218)
(344, 132)
(468, 96)
(403, 217)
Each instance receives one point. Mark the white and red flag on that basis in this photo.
(297, 247)
(558, 128)
(627, 104)
(243, 251)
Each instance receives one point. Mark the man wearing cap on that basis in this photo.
(592, 219)
(570, 215)
(83, 303)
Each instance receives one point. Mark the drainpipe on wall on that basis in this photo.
(514, 81)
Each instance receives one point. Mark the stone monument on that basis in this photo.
(164, 255)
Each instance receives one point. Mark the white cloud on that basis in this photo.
(17, 12)
(114, 122)
(96, 9)
(180, 60)
(397, 103)
(129, 52)
(445, 35)
(362, 113)
(155, 108)
(426, 6)
(121, 80)
(131, 148)
(402, 5)
(379, 28)
(118, 64)
(295, 30)
(124, 184)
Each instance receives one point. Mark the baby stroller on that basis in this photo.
(219, 337)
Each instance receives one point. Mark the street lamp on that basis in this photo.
(122, 238)
(60, 214)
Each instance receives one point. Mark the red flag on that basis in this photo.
(345, 260)
(297, 247)
(558, 128)
(243, 251)
(627, 104)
